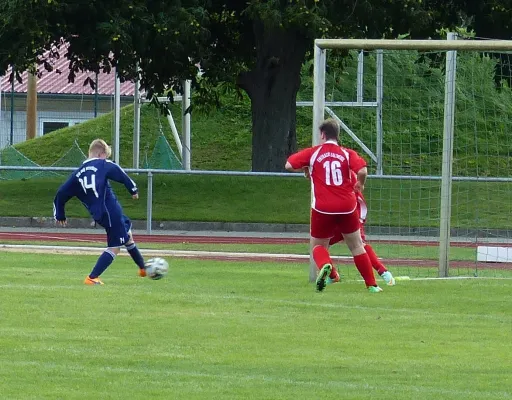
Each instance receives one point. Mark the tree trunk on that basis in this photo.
(272, 86)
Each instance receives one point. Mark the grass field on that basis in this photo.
(228, 330)
(409, 259)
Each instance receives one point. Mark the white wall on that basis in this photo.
(61, 109)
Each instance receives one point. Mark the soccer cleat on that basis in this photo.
(142, 272)
(388, 278)
(374, 289)
(322, 275)
(93, 281)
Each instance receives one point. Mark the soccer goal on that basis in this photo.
(434, 120)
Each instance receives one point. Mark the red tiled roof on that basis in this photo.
(55, 83)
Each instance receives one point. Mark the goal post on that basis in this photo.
(445, 54)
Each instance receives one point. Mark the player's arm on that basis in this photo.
(299, 161)
(64, 194)
(358, 165)
(116, 173)
(362, 174)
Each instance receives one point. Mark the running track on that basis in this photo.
(142, 238)
(100, 238)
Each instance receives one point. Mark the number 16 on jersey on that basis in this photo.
(333, 173)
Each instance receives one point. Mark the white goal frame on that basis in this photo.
(451, 45)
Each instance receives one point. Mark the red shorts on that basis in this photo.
(339, 237)
(324, 226)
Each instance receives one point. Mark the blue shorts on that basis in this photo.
(118, 234)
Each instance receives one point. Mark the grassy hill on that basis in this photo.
(413, 108)
(221, 140)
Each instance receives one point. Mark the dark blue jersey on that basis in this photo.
(90, 184)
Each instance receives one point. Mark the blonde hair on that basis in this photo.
(98, 147)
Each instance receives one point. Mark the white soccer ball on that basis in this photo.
(156, 268)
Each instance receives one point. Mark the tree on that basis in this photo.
(257, 45)
(263, 44)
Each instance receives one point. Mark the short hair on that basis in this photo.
(99, 146)
(330, 128)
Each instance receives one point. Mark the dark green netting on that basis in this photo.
(12, 157)
(162, 157)
(73, 158)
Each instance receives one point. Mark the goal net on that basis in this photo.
(434, 120)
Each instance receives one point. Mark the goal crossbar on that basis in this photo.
(404, 44)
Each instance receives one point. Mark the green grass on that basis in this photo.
(275, 200)
(251, 331)
(220, 140)
(417, 256)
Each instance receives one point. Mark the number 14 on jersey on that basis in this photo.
(89, 185)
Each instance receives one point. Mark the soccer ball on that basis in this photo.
(156, 268)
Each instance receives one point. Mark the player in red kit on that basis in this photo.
(333, 203)
(381, 269)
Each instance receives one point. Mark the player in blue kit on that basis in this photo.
(90, 184)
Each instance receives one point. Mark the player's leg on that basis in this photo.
(322, 260)
(105, 259)
(117, 236)
(376, 263)
(321, 231)
(378, 266)
(352, 236)
(334, 277)
(132, 248)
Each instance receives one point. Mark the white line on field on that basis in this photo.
(172, 253)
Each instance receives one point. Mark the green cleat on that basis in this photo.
(374, 289)
(322, 275)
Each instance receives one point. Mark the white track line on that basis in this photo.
(171, 253)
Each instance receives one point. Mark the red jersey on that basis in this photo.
(332, 186)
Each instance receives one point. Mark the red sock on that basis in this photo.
(321, 256)
(376, 264)
(364, 266)
(334, 273)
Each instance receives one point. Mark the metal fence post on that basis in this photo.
(446, 169)
(149, 209)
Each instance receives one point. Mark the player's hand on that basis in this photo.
(358, 187)
(62, 222)
(135, 196)
(306, 173)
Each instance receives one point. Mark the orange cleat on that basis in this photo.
(142, 272)
(92, 281)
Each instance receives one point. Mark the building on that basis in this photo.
(59, 102)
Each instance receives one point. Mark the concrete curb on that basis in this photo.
(83, 223)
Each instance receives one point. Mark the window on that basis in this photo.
(50, 126)
(47, 125)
